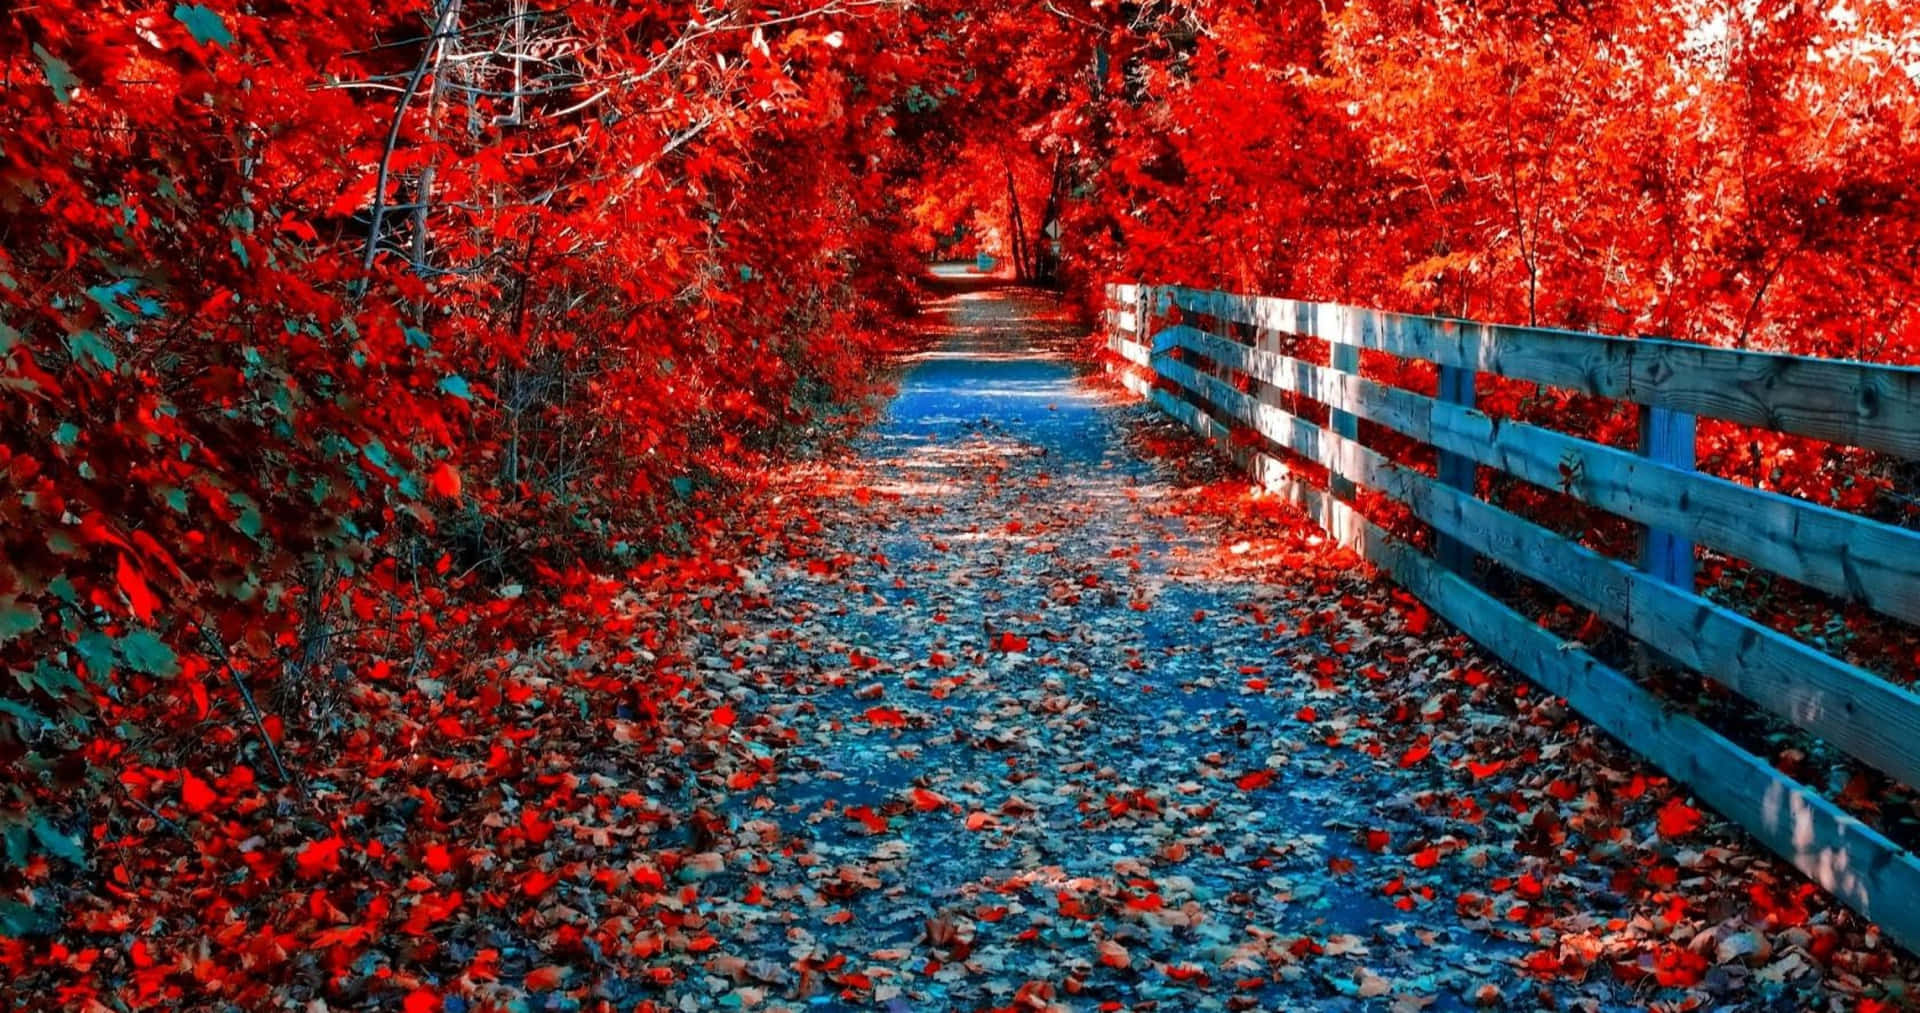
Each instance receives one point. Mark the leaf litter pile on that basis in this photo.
(1026, 705)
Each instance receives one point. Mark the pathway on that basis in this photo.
(1051, 725)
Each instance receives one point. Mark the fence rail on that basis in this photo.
(1220, 385)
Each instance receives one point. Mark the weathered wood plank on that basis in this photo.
(1843, 855)
(1848, 706)
(1132, 351)
(1667, 436)
(1402, 410)
(1345, 360)
(1456, 470)
(1837, 552)
(1855, 710)
(1832, 550)
(1290, 431)
(1842, 401)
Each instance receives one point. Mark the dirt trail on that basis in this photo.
(1052, 726)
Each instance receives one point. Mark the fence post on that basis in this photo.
(1666, 436)
(1143, 316)
(1457, 470)
(1344, 357)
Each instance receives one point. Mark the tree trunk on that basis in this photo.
(1046, 261)
(1021, 268)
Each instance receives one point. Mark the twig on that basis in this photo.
(427, 59)
(155, 813)
(246, 695)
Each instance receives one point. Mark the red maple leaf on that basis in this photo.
(1678, 818)
(197, 795)
(318, 858)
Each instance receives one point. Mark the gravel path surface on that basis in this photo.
(1051, 726)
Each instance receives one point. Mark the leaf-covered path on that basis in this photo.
(1049, 725)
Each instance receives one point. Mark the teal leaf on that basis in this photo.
(145, 652)
(457, 386)
(96, 652)
(67, 434)
(17, 618)
(88, 345)
(57, 843)
(49, 678)
(204, 25)
(59, 76)
(376, 455)
(18, 920)
(108, 298)
(29, 720)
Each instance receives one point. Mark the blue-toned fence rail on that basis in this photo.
(1224, 379)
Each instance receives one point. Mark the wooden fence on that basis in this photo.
(1218, 384)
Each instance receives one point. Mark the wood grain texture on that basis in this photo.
(1132, 351)
(1667, 436)
(1848, 706)
(1848, 858)
(1457, 470)
(1837, 552)
(1841, 401)
(1857, 711)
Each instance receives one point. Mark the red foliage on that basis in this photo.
(336, 346)
(346, 351)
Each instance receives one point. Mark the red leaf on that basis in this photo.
(1427, 858)
(1416, 754)
(886, 717)
(865, 816)
(1254, 780)
(135, 587)
(197, 795)
(1678, 818)
(541, 979)
(318, 858)
(422, 1000)
(445, 480)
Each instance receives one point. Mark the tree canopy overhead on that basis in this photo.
(333, 336)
